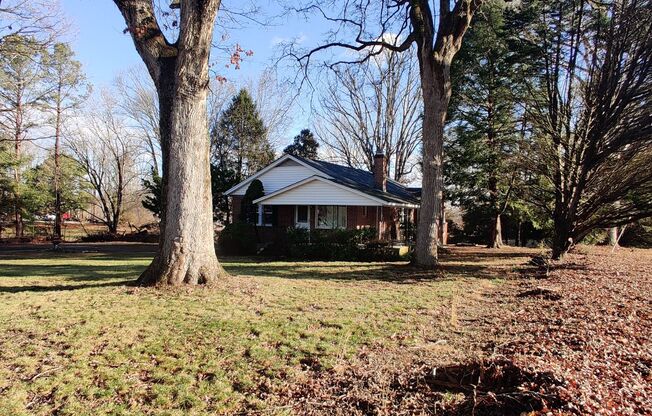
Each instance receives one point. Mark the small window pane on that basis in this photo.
(268, 215)
(302, 213)
(341, 217)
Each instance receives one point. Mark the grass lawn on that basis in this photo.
(76, 339)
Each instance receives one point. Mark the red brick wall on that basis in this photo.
(355, 217)
(285, 215)
(236, 202)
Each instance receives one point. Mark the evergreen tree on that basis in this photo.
(153, 201)
(305, 145)
(249, 210)
(239, 148)
(240, 139)
(222, 179)
(7, 184)
(486, 126)
(22, 96)
(41, 195)
(68, 89)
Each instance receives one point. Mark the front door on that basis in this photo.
(302, 216)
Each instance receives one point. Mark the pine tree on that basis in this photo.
(240, 140)
(22, 95)
(153, 201)
(68, 89)
(486, 126)
(305, 145)
(42, 194)
(239, 147)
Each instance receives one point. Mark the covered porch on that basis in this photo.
(391, 224)
(319, 203)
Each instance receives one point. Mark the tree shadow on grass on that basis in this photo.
(77, 273)
(63, 287)
(66, 277)
(402, 273)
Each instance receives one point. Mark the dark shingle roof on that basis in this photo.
(363, 181)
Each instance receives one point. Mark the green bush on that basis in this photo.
(327, 244)
(638, 234)
(238, 239)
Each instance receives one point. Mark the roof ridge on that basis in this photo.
(352, 168)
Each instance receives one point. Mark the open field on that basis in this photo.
(324, 338)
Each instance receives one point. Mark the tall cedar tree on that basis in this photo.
(240, 147)
(68, 89)
(179, 69)
(305, 145)
(241, 137)
(437, 29)
(592, 117)
(489, 75)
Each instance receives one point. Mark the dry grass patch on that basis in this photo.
(76, 339)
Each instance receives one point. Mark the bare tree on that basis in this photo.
(592, 117)
(274, 101)
(39, 20)
(363, 26)
(179, 69)
(138, 102)
(374, 107)
(105, 148)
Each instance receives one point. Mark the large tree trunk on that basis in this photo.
(496, 233)
(435, 51)
(186, 248)
(562, 240)
(435, 103)
(613, 236)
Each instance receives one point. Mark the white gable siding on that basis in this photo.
(280, 177)
(318, 192)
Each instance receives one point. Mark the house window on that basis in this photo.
(302, 214)
(330, 217)
(266, 215)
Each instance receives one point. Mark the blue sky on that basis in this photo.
(104, 50)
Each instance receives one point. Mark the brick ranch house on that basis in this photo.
(315, 194)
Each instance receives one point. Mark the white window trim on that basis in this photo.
(296, 217)
(261, 211)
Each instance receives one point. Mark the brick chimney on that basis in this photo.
(379, 171)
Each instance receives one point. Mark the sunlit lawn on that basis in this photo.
(76, 339)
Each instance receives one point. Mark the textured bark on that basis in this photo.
(18, 137)
(186, 252)
(613, 236)
(496, 233)
(562, 241)
(435, 52)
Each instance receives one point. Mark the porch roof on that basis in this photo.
(319, 190)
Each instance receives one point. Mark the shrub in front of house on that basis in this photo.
(238, 239)
(328, 244)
